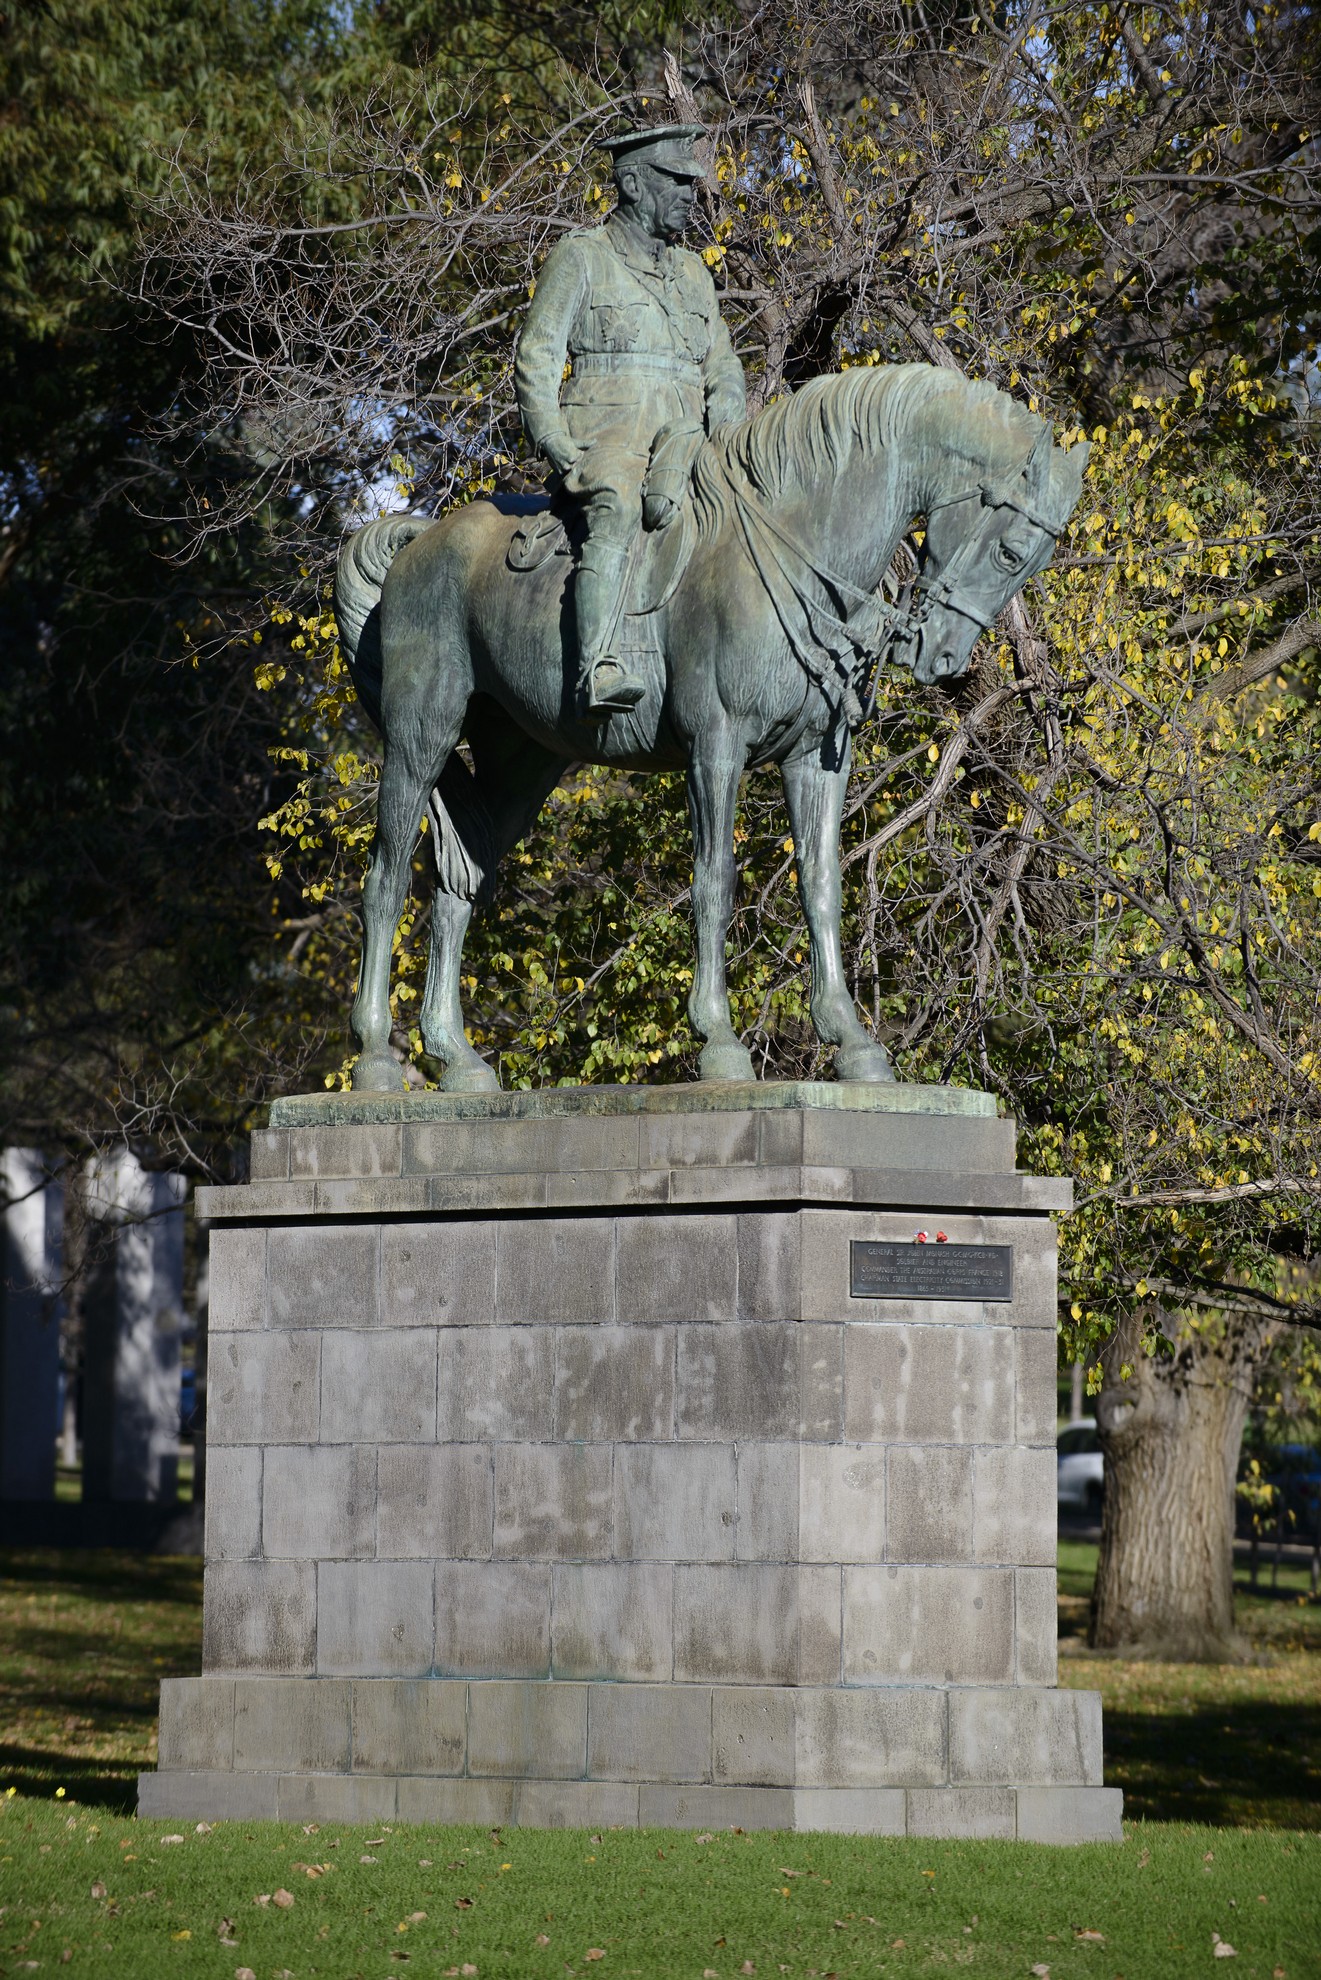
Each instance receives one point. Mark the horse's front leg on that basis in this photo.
(815, 798)
(713, 778)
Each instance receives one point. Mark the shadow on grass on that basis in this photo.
(1258, 1766)
(86, 1782)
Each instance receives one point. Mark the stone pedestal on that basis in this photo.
(557, 1476)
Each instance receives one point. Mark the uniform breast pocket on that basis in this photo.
(696, 334)
(618, 326)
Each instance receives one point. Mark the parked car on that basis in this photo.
(1080, 1468)
(1296, 1477)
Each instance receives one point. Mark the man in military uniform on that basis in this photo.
(651, 356)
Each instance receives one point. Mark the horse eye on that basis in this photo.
(1007, 556)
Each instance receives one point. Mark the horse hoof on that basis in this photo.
(473, 1077)
(866, 1063)
(725, 1062)
(378, 1072)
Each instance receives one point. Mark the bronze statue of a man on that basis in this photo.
(651, 356)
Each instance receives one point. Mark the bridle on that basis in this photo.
(943, 588)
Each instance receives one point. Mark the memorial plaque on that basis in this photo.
(930, 1271)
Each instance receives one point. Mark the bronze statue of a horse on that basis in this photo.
(762, 653)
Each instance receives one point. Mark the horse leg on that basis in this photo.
(815, 798)
(713, 776)
(422, 716)
(485, 812)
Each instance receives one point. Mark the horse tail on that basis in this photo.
(359, 577)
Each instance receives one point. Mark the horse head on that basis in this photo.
(981, 547)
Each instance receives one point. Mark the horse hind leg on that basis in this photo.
(713, 777)
(476, 816)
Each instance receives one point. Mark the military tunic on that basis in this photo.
(641, 326)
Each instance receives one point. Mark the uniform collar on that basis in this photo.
(638, 245)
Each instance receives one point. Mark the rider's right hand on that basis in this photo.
(561, 451)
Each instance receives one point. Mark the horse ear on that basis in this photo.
(1069, 471)
(1037, 469)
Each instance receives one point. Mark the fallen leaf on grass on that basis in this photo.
(463, 1904)
(416, 1917)
(374, 1842)
(244, 1973)
(283, 1898)
(203, 1829)
(747, 1967)
(265, 1898)
(594, 1952)
(185, 1934)
(542, 1939)
(98, 1890)
(170, 1839)
(1042, 1971)
(706, 1838)
(226, 1932)
(1091, 1938)
(1221, 1948)
(366, 1859)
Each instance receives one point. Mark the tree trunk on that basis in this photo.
(1171, 1425)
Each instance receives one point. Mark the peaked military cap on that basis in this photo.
(668, 146)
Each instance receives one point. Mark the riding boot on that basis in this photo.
(608, 688)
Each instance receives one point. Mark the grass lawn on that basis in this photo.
(85, 1639)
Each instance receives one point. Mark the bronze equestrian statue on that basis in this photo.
(751, 613)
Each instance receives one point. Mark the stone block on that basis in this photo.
(674, 1502)
(1036, 1626)
(236, 1279)
(841, 1502)
(820, 1609)
(769, 1263)
(290, 1725)
(752, 1735)
(263, 1389)
(683, 1141)
(929, 1384)
(268, 1155)
(907, 1142)
(614, 1383)
(769, 1485)
(366, 1149)
(438, 1274)
(233, 1502)
(409, 1725)
(983, 1814)
(576, 1805)
(434, 1502)
(882, 1737)
(496, 1196)
(613, 1620)
(513, 1147)
(930, 1503)
(1015, 1513)
(375, 1618)
(1070, 1814)
(663, 1807)
(318, 1502)
(736, 1624)
(324, 1276)
(527, 1729)
(682, 1268)
(336, 1798)
(496, 1382)
(555, 1270)
(851, 1811)
(196, 1723)
(822, 1352)
(645, 1732)
(378, 1387)
(552, 1502)
(373, 1196)
(1036, 1394)
(493, 1619)
(259, 1616)
(928, 1625)
(1025, 1736)
(749, 1381)
(194, 1795)
(435, 1801)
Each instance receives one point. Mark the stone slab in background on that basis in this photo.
(559, 1475)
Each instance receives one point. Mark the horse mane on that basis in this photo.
(813, 435)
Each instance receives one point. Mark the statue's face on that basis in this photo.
(657, 200)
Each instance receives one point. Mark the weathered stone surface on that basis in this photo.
(537, 1731)
(1036, 1626)
(495, 1383)
(929, 1384)
(428, 1799)
(319, 1500)
(871, 1738)
(649, 1732)
(259, 1616)
(841, 1502)
(378, 1387)
(1026, 1736)
(1035, 1394)
(681, 1268)
(434, 1502)
(963, 1811)
(493, 1619)
(769, 1266)
(776, 1380)
(439, 1275)
(416, 1726)
(196, 1723)
(233, 1502)
(237, 1279)
(337, 1150)
(851, 1811)
(263, 1388)
(1014, 1505)
(576, 1805)
(614, 1382)
(553, 1502)
(930, 1503)
(674, 1502)
(284, 1725)
(736, 1624)
(613, 1620)
(555, 1269)
(193, 1795)
(375, 1618)
(336, 1798)
(325, 1276)
(268, 1159)
(752, 1735)
(663, 1807)
(928, 1625)
(1070, 1814)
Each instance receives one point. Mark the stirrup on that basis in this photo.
(610, 690)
